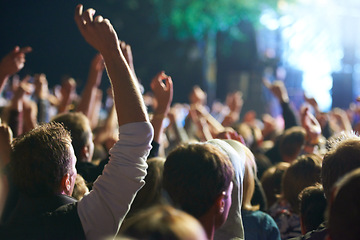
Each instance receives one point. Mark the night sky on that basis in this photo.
(59, 49)
(48, 27)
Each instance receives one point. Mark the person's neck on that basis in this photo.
(208, 223)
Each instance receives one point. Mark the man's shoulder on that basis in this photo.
(63, 223)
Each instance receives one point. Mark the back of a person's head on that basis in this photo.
(195, 175)
(344, 208)
(263, 163)
(79, 127)
(342, 158)
(40, 159)
(163, 223)
(251, 134)
(271, 181)
(312, 207)
(151, 193)
(303, 172)
(292, 141)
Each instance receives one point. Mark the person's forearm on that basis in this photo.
(64, 103)
(157, 123)
(288, 115)
(88, 97)
(129, 104)
(43, 106)
(95, 110)
(3, 80)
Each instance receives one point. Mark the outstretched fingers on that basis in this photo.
(26, 49)
(99, 19)
(78, 16)
(88, 15)
(97, 31)
(169, 84)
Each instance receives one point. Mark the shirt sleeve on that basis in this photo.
(288, 115)
(102, 211)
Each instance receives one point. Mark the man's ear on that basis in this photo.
(220, 204)
(66, 184)
(85, 153)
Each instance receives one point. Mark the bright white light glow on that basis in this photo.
(314, 46)
(269, 19)
(314, 40)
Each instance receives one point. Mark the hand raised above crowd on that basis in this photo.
(126, 50)
(41, 86)
(278, 89)
(311, 125)
(98, 32)
(14, 61)
(162, 87)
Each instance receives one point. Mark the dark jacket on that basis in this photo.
(52, 217)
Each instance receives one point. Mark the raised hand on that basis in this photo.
(126, 50)
(235, 102)
(312, 101)
(24, 88)
(97, 64)
(41, 86)
(14, 61)
(163, 92)
(311, 125)
(278, 89)
(197, 96)
(98, 32)
(230, 133)
(68, 91)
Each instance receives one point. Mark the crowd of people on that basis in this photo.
(142, 167)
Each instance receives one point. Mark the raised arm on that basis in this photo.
(12, 63)
(102, 211)
(68, 91)
(100, 34)
(42, 98)
(16, 117)
(88, 97)
(235, 102)
(163, 93)
(278, 89)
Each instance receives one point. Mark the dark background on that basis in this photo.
(59, 49)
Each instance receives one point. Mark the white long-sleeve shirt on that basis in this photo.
(102, 211)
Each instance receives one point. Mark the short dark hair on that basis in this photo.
(163, 222)
(312, 207)
(79, 127)
(343, 157)
(195, 175)
(303, 172)
(150, 194)
(40, 159)
(344, 208)
(292, 141)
